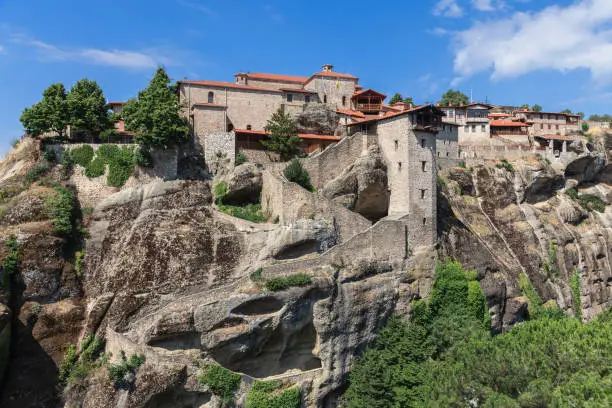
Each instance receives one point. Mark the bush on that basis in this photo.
(220, 192)
(78, 262)
(82, 155)
(10, 265)
(221, 381)
(585, 127)
(143, 158)
(119, 372)
(575, 286)
(283, 282)
(50, 156)
(589, 202)
(296, 173)
(249, 212)
(60, 207)
(256, 275)
(70, 359)
(120, 167)
(505, 165)
(95, 168)
(36, 172)
(270, 394)
(240, 159)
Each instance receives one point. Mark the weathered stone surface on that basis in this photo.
(362, 187)
(317, 118)
(243, 185)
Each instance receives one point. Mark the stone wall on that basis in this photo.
(290, 202)
(207, 120)
(548, 123)
(474, 134)
(220, 151)
(597, 125)
(329, 164)
(447, 143)
(334, 88)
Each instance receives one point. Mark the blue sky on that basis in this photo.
(554, 53)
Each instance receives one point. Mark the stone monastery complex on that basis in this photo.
(227, 118)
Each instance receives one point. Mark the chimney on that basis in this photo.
(327, 68)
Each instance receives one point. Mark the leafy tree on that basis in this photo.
(585, 127)
(155, 114)
(536, 108)
(525, 106)
(87, 105)
(395, 99)
(283, 138)
(408, 100)
(455, 98)
(51, 114)
(600, 118)
(581, 114)
(566, 111)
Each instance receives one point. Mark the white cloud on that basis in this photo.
(447, 8)
(559, 38)
(438, 31)
(145, 59)
(197, 6)
(483, 5)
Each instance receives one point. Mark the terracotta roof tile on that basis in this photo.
(306, 91)
(301, 135)
(221, 84)
(505, 123)
(275, 77)
(351, 113)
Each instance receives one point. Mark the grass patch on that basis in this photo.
(10, 265)
(296, 173)
(589, 202)
(221, 381)
(249, 212)
(284, 282)
(550, 266)
(273, 394)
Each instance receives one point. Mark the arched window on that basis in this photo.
(344, 101)
(248, 127)
(211, 97)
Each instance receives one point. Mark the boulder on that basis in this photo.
(362, 187)
(317, 118)
(243, 185)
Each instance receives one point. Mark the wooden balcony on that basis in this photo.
(369, 107)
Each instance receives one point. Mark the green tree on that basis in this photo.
(155, 114)
(566, 111)
(283, 138)
(585, 127)
(408, 100)
(51, 114)
(525, 106)
(87, 105)
(395, 99)
(536, 108)
(454, 98)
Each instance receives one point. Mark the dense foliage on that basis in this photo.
(589, 202)
(120, 160)
(250, 212)
(221, 381)
(536, 108)
(60, 208)
(454, 98)
(601, 118)
(87, 106)
(446, 357)
(155, 114)
(10, 265)
(75, 366)
(283, 138)
(284, 282)
(123, 373)
(273, 394)
(51, 114)
(296, 173)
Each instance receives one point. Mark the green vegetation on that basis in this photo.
(76, 366)
(143, 157)
(10, 265)
(273, 394)
(81, 155)
(68, 363)
(284, 282)
(454, 98)
(601, 118)
(50, 156)
(240, 159)
(446, 357)
(36, 172)
(120, 161)
(60, 208)
(505, 165)
(536, 108)
(256, 275)
(462, 164)
(95, 168)
(119, 372)
(575, 286)
(78, 262)
(589, 202)
(550, 265)
(585, 127)
(51, 114)
(398, 98)
(221, 381)
(250, 212)
(120, 166)
(155, 114)
(296, 173)
(283, 138)
(220, 192)
(87, 107)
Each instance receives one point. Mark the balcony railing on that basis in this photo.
(369, 106)
(471, 119)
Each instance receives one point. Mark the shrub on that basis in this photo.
(143, 158)
(249, 212)
(270, 394)
(585, 127)
(60, 208)
(572, 193)
(50, 156)
(296, 173)
(10, 265)
(119, 372)
(462, 164)
(36, 172)
(220, 192)
(82, 155)
(283, 282)
(120, 167)
(240, 159)
(576, 293)
(221, 381)
(70, 359)
(589, 202)
(256, 275)
(95, 168)
(78, 262)
(505, 165)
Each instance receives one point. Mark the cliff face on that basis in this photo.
(168, 276)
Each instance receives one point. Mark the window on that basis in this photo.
(424, 221)
(549, 127)
(450, 113)
(557, 127)
(422, 142)
(541, 126)
(438, 154)
(399, 166)
(307, 98)
(211, 97)
(466, 128)
(423, 193)
(344, 101)
(249, 127)
(324, 98)
(423, 165)
(473, 128)
(289, 98)
(396, 144)
(541, 116)
(446, 154)
(483, 128)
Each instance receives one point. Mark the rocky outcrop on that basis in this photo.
(362, 187)
(243, 185)
(317, 118)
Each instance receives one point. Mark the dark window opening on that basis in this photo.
(211, 97)
(289, 98)
(344, 101)
(324, 98)
(424, 221)
(423, 193)
(399, 166)
(248, 127)
(307, 98)
(423, 164)
(422, 142)
(396, 144)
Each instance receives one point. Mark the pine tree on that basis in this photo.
(283, 138)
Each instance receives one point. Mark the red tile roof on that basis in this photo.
(499, 115)
(116, 103)
(220, 84)
(306, 91)
(369, 91)
(301, 135)
(332, 75)
(274, 77)
(350, 113)
(547, 113)
(505, 123)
